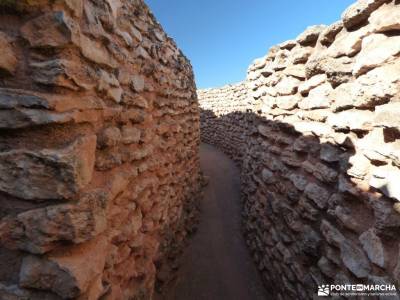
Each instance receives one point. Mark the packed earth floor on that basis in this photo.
(217, 265)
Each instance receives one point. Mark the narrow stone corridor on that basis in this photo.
(217, 265)
(101, 121)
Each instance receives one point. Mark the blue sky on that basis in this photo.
(222, 37)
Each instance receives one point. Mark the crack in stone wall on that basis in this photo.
(315, 129)
(99, 136)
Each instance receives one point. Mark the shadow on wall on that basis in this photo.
(306, 223)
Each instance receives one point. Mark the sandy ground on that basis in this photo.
(217, 265)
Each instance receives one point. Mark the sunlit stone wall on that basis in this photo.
(317, 135)
(99, 136)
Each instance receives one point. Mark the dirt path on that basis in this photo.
(217, 264)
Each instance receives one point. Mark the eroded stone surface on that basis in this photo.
(43, 229)
(376, 50)
(8, 60)
(69, 273)
(373, 247)
(360, 11)
(99, 166)
(318, 154)
(49, 173)
(386, 18)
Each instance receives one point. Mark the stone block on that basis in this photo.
(386, 18)
(51, 30)
(376, 50)
(318, 194)
(372, 245)
(49, 173)
(359, 12)
(354, 259)
(8, 59)
(43, 229)
(385, 179)
(317, 98)
(68, 273)
(310, 35)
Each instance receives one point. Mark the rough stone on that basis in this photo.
(328, 35)
(330, 153)
(99, 176)
(53, 29)
(386, 18)
(8, 60)
(387, 115)
(385, 179)
(109, 85)
(318, 97)
(300, 55)
(312, 83)
(14, 292)
(356, 120)
(268, 176)
(109, 137)
(360, 166)
(327, 267)
(310, 241)
(290, 44)
(310, 35)
(41, 230)
(369, 90)
(49, 173)
(372, 245)
(332, 235)
(376, 50)
(318, 194)
(337, 69)
(359, 12)
(330, 145)
(287, 102)
(69, 273)
(324, 173)
(281, 60)
(297, 71)
(96, 52)
(348, 43)
(130, 135)
(287, 86)
(299, 181)
(137, 83)
(354, 259)
(345, 217)
(374, 147)
(396, 271)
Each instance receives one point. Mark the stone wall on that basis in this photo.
(234, 100)
(99, 136)
(320, 152)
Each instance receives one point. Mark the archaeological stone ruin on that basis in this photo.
(99, 135)
(100, 127)
(315, 130)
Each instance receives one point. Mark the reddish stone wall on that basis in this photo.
(319, 145)
(99, 136)
(230, 133)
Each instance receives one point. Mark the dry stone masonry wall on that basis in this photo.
(99, 135)
(319, 147)
(230, 133)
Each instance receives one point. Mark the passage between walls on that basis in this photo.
(315, 129)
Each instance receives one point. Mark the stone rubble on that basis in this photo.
(315, 130)
(99, 145)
